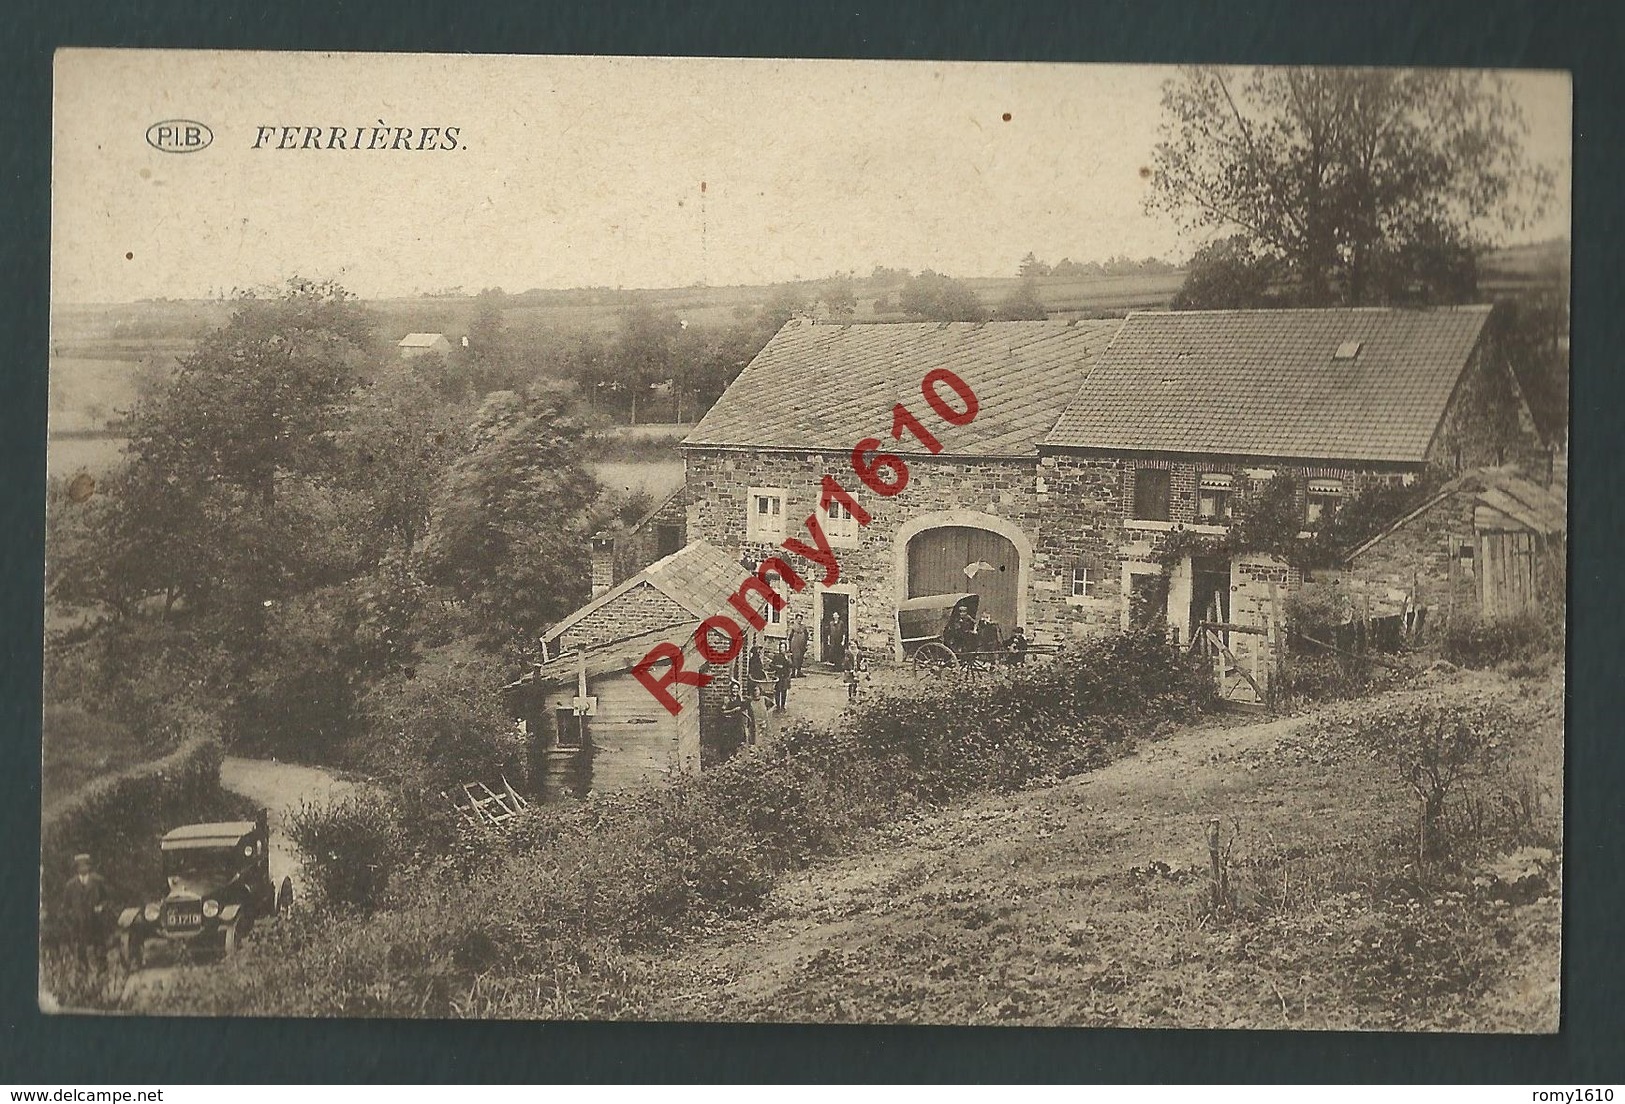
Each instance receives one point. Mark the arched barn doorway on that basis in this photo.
(949, 559)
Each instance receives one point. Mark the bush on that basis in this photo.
(1481, 642)
(1437, 748)
(540, 922)
(118, 815)
(351, 847)
(438, 729)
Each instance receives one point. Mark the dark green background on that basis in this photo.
(1582, 37)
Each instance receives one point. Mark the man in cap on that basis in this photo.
(85, 901)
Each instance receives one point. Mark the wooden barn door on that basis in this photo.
(1506, 573)
(960, 559)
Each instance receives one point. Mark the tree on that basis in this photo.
(838, 297)
(1228, 274)
(1023, 304)
(1031, 266)
(1368, 185)
(509, 530)
(935, 297)
(235, 488)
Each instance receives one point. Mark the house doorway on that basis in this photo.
(1210, 591)
(834, 625)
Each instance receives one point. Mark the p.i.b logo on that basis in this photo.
(179, 136)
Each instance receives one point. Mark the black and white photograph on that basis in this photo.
(806, 541)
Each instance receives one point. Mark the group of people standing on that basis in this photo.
(769, 673)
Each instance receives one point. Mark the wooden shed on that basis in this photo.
(592, 724)
(1490, 544)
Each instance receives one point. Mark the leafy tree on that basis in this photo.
(935, 297)
(509, 531)
(644, 351)
(1023, 304)
(1228, 274)
(838, 297)
(1032, 267)
(234, 486)
(1369, 185)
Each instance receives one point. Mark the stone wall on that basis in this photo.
(639, 546)
(990, 493)
(1085, 523)
(1414, 560)
(641, 609)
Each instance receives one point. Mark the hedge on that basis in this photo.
(117, 816)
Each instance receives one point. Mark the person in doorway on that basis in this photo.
(780, 668)
(798, 640)
(1016, 647)
(831, 634)
(85, 903)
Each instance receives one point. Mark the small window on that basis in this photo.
(668, 539)
(764, 521)
(571, 729)
(1347, 351)
(840, 526)
(1151, 493)
(1323, 498)
(1081, 581)
(1213, 499)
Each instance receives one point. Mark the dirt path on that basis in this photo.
(280, 787)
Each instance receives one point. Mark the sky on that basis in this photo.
(620, 172)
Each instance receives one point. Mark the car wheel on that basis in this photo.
(129, 949)
(233, 937)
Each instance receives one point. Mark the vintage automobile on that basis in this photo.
(219, 885)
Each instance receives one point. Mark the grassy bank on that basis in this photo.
(553, 925)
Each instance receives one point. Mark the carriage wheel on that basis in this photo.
(933, 658)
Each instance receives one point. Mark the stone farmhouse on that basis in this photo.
(1099, 450)
(1187, 415)
(968, 519)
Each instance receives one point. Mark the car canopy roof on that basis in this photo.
(225, 833)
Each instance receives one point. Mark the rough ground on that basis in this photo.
(1084, 903)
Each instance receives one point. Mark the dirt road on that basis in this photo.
(280, 787)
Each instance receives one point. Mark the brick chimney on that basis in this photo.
(603, 563)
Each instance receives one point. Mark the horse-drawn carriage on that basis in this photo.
(940, 631)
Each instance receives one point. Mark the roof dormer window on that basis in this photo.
(1347, 351)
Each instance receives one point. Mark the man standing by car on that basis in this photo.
(85, 902)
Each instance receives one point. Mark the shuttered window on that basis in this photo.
(1151, 493)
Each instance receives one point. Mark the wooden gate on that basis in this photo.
(1249, 660)
(952, 559)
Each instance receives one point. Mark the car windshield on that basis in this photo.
(203, 864)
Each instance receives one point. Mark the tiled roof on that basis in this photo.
(829, 386)
(1269, 383)
(699, 577)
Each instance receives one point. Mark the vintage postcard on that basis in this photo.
(788, 540)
